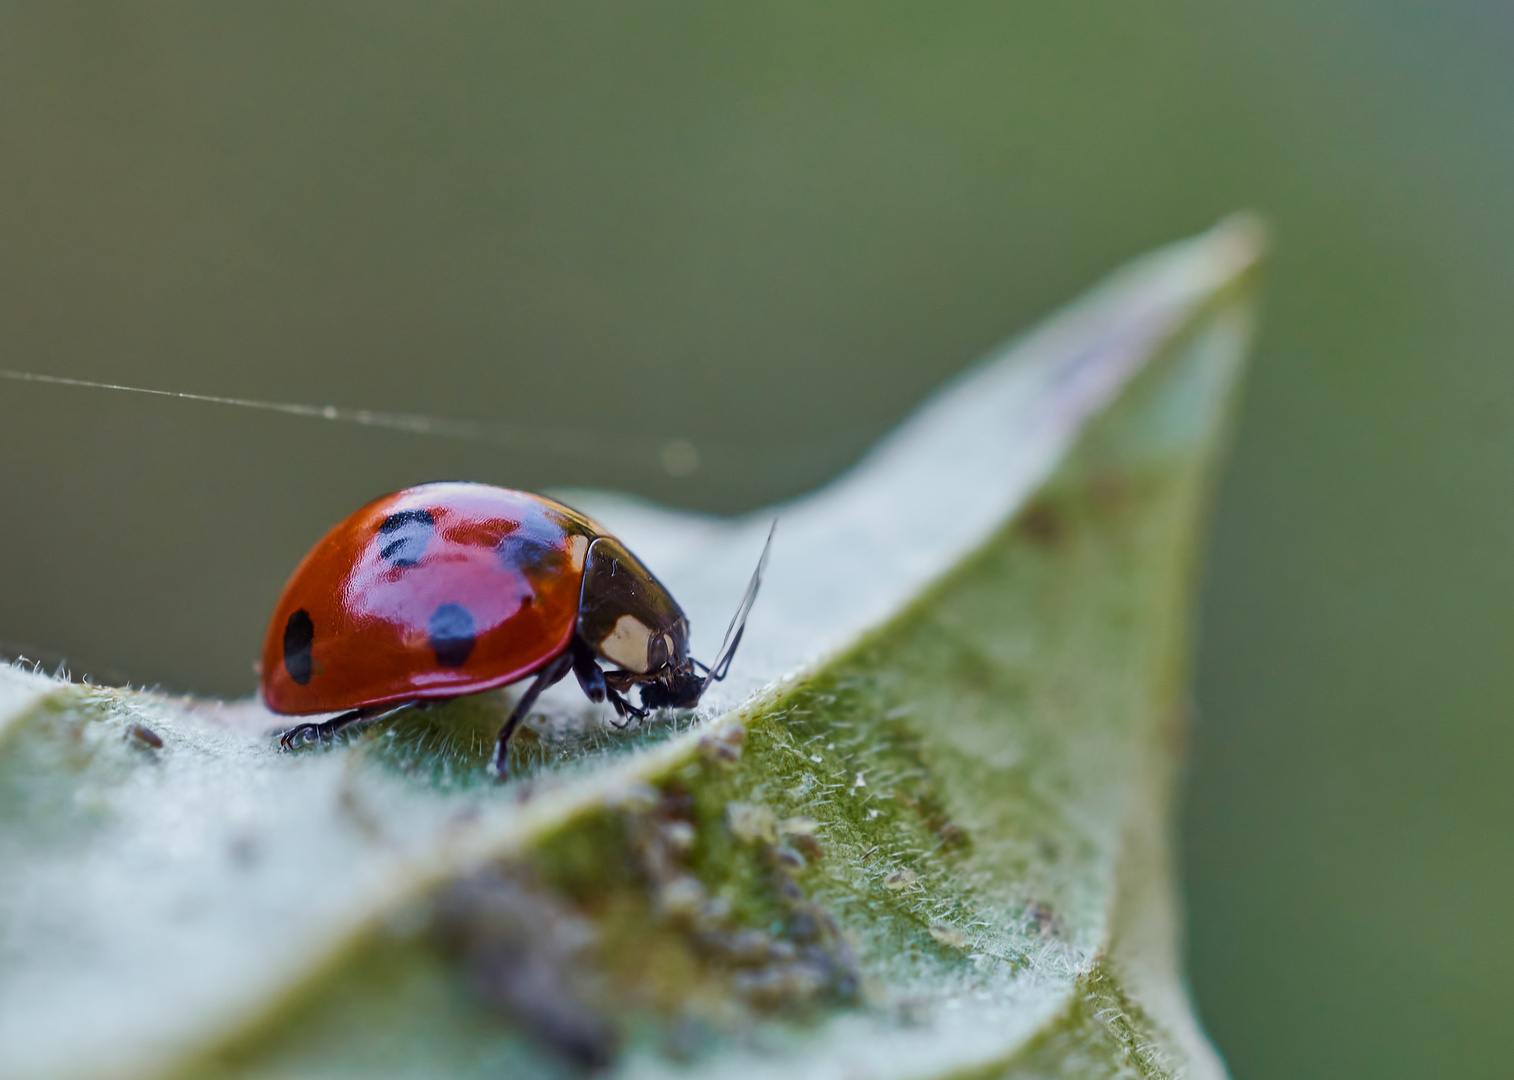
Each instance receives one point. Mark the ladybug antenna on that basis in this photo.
(717, 671)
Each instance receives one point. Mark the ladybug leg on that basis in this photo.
(624, 709)
(616, 685)
(321, 732)
(548, 675)
(591, 676)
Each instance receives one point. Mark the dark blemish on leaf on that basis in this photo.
(1043, 524)
(933, 816)
(404, 535)
(146, 736)
(451, 634)
(953, 837)
(299, 635)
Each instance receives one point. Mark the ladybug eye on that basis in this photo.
(404, 536)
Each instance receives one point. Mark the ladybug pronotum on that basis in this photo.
(450, 589)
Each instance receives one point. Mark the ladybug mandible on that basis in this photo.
(450, 589)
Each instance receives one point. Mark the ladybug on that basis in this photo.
(455, 588)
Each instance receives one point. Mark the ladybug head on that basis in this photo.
(681, 686)
(678, 688)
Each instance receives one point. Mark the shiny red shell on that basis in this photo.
(432, 592)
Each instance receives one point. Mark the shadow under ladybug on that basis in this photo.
(454, 588)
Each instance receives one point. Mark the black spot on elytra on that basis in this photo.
(404, 536)
(299, 635)
(451, 633)
(520, 549)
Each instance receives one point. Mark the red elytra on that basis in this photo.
(455, 588)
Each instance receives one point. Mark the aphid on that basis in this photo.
(146, 736)
(450, 589)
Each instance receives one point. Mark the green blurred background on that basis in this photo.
(770, 230)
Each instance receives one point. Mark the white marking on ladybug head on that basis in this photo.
(578, 547)
(626, 645)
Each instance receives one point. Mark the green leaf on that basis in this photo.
(921, 832)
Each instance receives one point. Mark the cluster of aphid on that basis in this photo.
(528, 954)
(806, 957)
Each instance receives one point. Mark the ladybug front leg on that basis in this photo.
(616, 684)
(596, 687)
(623, 708)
